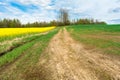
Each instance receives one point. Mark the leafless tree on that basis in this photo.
(64, 16)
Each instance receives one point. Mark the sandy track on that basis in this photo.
(65, 59)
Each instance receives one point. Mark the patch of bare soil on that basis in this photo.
(66, 59)
(104, 37)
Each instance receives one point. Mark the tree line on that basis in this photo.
(63, 19)
(15, 23)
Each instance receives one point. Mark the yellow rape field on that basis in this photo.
(16, 31)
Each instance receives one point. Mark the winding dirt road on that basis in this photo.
(65, 59)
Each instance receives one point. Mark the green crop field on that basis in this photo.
(103, 37)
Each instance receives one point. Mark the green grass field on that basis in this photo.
(106, 38)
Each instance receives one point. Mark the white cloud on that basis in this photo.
(35, 2)
(98, 9)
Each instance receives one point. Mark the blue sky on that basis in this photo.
(46, 10)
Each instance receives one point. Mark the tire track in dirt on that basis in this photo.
(65, 59)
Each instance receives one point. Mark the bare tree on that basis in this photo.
(64, 16)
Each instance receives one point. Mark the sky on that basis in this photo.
(47, 10)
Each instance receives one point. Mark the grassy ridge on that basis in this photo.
(5, 47)
(104, 37)
(4, 38)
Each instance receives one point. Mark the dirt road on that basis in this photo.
(66, 59)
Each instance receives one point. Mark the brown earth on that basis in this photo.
(66, 59)
(103, 37)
